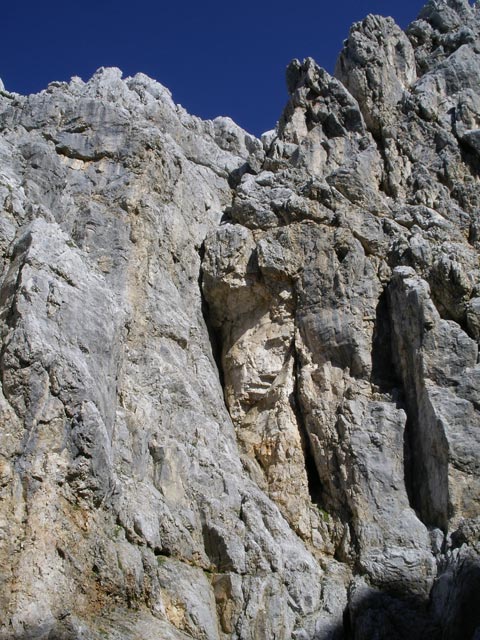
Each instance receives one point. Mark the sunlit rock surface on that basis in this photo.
(240, 388)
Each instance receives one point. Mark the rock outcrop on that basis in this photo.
(240, 387)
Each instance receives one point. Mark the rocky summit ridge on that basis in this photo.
(240, 387)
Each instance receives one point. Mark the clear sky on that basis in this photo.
(217, 57)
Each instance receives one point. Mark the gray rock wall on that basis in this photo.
(239, 379)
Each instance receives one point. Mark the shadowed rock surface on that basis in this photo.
(240, 387)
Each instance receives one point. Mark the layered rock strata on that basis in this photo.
(239, 378)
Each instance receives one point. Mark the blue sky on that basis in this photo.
(217, 58)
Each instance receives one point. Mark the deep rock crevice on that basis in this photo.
(214, 334)
(313, 478)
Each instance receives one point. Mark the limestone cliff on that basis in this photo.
(240, 388)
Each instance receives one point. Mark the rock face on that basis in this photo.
(240, 386)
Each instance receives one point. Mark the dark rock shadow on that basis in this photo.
(451, 613)
(383, 370)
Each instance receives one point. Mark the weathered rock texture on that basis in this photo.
(240, 388)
